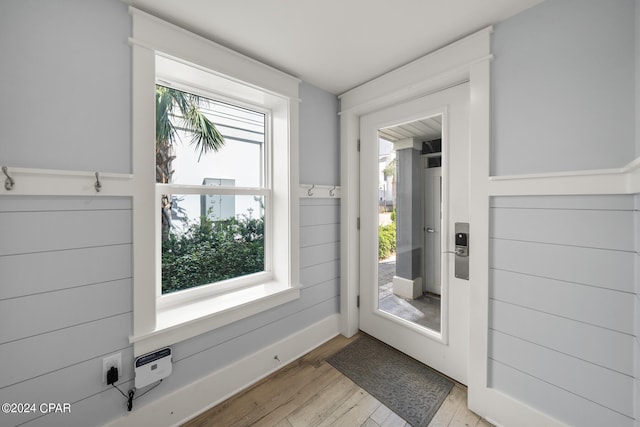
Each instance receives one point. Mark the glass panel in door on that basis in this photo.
(409, 221)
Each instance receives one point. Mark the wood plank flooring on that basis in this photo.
(309, 392)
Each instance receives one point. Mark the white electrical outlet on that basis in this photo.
(108, 362)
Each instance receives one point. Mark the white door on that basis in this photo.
(444, 345)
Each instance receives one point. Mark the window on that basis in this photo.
(218, 234)
(215, 230)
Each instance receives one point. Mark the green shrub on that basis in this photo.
(386, 240)
(209, 252)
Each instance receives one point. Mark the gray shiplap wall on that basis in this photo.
(564, 279)
(319, 272)
(65, 262)
(66, 303)
(563, 296)
(636, 232)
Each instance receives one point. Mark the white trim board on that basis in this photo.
(155, 34)
(319, 191)
(624, 180)
(53, 182)
(176, 408)
(435, 71)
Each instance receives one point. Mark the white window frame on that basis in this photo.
(199, 82)
(218, 73)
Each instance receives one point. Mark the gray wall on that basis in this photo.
(637, 111)
(563, 84)
(319, 153)
(636, 232)
(66, 85)
(564, 269)
(409, 224)
(66, 294)
(562, 295)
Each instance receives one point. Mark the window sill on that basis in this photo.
(177, 323)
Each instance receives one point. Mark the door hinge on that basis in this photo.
(358, 301)
(358, 223)
(358, 146)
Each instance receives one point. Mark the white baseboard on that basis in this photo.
(183, 404)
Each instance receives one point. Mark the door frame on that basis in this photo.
(465, 60)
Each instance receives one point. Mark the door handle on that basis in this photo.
(430, 230)
(462, 250)
(458, 251)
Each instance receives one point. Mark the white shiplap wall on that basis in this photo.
(562, 296)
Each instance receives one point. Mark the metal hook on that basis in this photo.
(309, 191)
(9, 182)
(98, 185)
(332, 191)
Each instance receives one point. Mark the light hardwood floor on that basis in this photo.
(310, 392)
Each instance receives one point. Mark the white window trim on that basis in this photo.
(250, 82)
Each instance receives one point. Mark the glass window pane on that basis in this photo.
(210, 238)
(192, 154)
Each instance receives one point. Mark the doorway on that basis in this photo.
(415, 163)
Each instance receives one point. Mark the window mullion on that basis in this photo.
(210, 189)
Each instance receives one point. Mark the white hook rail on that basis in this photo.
(319, 191)
(49, 182)
(53, 182)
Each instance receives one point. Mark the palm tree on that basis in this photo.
(390, 172)
(172, 104)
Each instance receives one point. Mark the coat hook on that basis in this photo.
(9, 182)
(98, 185)
(332, 192)
(310, 191)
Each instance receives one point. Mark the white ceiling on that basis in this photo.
(334, 44)
(427, 129)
